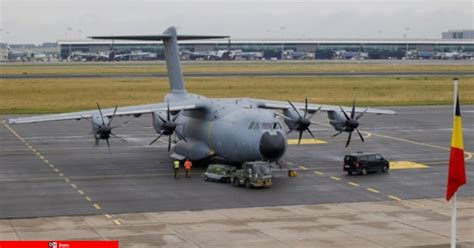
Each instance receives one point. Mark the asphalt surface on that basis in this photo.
(244, 74)
(56, 170)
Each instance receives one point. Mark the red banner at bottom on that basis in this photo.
(59, 244)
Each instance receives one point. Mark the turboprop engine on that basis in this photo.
(102, 128)
(342, 122)
(297, 120)
(167, 126)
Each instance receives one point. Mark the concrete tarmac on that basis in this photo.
(54, 169)
(365, 225)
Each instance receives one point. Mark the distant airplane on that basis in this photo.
(26, 56)
(343, 54)
(230, 130)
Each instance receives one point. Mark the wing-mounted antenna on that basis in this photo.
(170, 42)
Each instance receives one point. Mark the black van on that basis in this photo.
(363, 163)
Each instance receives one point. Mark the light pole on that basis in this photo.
(406, 40)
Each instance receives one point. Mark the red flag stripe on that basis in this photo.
(457, 172)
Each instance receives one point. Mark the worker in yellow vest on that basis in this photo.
(176, 168)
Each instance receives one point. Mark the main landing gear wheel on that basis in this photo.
(236, 182)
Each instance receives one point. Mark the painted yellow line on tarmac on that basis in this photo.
(318, 173)
(117, 222)
(373, 190)
(303, 168)
(306, 142)
(416, 204)
(353, 184)
(108, 216)
(468, 155)
(399, 165)
(336, 178)
(435, 163)
(394, 197)
(95, 205)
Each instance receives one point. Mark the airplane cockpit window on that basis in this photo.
(277, 125)
(256, 127)
(270, 126)
(251, 125)
(266, 126)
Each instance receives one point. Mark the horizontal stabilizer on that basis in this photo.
(159, 37)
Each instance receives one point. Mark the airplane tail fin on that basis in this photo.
(170, 42)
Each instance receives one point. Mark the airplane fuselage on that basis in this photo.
(230, 130)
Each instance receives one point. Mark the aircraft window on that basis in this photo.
(277, 125)
(251, 125)
(256, 127)
(266, 126)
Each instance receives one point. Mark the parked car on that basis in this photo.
(363, 163)
(218, 172)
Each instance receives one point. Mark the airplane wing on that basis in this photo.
(136, 110)
(281, 105)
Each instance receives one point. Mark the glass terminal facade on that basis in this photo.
(272, 49)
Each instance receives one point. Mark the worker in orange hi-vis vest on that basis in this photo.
(187, 167)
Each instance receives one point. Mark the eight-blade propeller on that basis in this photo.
(169, 127)
(104, 130)
(303, 123)
(351, 123)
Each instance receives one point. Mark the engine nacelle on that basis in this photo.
(157, 122)
(99, 129)
(293, 115)
(337, 120)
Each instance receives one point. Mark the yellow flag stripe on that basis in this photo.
(456, 139)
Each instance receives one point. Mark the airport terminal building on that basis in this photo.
(288, 49)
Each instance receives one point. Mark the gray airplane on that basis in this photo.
(233, 130)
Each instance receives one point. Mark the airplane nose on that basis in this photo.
(272, 145)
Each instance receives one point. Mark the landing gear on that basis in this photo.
(236, 182)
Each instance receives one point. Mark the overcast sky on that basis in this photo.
(37, 21)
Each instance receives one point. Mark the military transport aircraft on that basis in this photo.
(234, 130)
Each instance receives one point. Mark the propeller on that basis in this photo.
(303, 122)
(169, 127)
(351, 123)
(104, 130)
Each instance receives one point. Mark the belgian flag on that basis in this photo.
(457, 167)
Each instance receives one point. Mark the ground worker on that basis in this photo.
(187, 167)
(176, 168)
